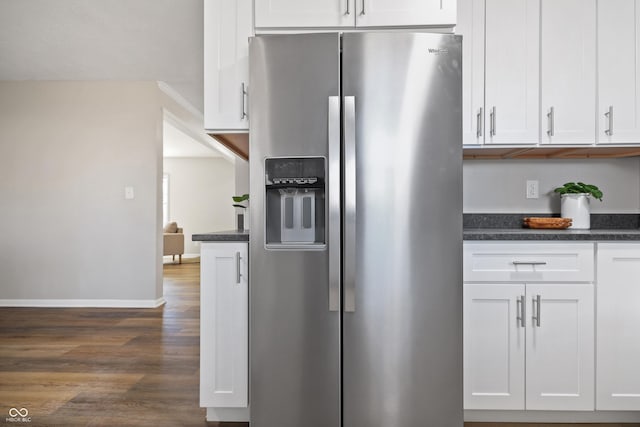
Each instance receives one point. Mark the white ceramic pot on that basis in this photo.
(576, 207)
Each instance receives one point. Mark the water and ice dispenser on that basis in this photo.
(295, 202)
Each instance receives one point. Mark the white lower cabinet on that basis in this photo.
(560, 342)
(529, 345)
(501, 332)
(224, 320)
(618, 327)
(494, 346)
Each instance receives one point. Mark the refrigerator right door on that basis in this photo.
(402, 228)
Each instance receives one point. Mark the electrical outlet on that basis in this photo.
(532, 189)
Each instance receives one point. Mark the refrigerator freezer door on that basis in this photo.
(402, 344)
(294, 336)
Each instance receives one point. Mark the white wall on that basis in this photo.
(200, 191)
(67, 150)
(498, 186)
(242, 177)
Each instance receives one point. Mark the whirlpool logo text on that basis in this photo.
(438, 51)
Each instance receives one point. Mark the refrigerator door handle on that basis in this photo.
(349, 203)
(334, 203)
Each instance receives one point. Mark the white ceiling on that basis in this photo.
(178, 144)
(104, 40)
(157, 40)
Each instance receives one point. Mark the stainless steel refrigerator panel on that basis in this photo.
(402, 332)
(294, 337)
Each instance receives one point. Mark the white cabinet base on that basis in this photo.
(552, 416)
(228, 414)
(224, 317)
(618, 323)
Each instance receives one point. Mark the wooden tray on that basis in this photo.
(545, 222)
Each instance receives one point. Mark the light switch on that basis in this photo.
(128, 193)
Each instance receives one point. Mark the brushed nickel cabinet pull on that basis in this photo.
(536, 309)
(238, 274)
(492, 131)
(520, 317)
(609, 115)
(243, 94)
(529, 262)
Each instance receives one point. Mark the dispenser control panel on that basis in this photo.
(295, 202)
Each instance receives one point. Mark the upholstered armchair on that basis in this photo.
(173, 241)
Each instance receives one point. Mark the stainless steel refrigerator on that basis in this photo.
(356, 232)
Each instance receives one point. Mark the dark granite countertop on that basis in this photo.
(509, 227)
(222, 236)
(535, 234)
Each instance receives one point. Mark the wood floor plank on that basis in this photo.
(67, 381)
(106, 367)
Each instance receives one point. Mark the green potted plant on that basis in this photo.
(574, 202)
(242, 211)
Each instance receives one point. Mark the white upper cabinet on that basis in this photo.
(471, 27)
(500, 73)
(618, 73)
(310, 13)
(379, 13)
(618, 323)
(227, 28)
(512, 34)
(568, 71)
(354, 13)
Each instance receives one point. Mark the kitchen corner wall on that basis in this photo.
(242, 176)
(200, 191)
(498, 186)
(67, 151)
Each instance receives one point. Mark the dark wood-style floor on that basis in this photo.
(111, 367)
(106, 367)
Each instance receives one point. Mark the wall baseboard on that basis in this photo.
(82, 303)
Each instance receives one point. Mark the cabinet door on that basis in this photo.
(494, 346)
(560, 347)
(618, 73)
(618, 348)
(227, 28)
(568, 71)
(224, 320)
(471, 27)
(512, 32)
(308, 13)
(377, 13)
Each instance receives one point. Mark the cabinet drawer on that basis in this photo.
(528, 262)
